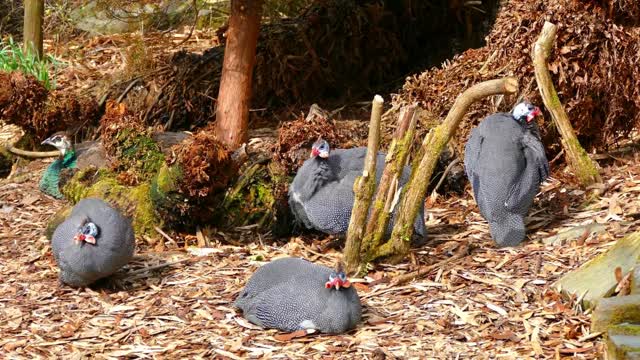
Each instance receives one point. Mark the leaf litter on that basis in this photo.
(488, 303)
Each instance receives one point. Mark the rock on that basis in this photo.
(596, 279)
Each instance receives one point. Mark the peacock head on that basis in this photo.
(525, 112)
(87, 232)
(338, 278)
(320, 148)
(61, 142)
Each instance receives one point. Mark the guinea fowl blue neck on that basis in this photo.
(51, 177)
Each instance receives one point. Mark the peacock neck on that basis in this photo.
(69, 159)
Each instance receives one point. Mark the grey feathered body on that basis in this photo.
(289, 294)
(82, 264)
(505, 163)
(321, 195)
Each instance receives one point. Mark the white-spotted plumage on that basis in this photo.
(82, 263)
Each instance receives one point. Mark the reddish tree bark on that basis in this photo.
(234, 97)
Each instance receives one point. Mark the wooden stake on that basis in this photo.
(395, 161)
(413, 193)
(363, 189)
(583, 167)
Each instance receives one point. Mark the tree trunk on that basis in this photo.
(234, 97)
(33, 17)
(583, 167)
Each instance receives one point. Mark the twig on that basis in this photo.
(127, 89)
(444, 174)
(163, 265)
(165, 235)
(402, 279)
(193, 26)
(32, 154)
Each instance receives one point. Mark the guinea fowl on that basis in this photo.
(293, 294)
(506, 163)
(321, 194)
(92, 243)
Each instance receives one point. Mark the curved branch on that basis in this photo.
(32, 154)
(413, 193)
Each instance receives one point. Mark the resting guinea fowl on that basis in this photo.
(506, 163)
(293, 294)
(92, 243)
(321, 194)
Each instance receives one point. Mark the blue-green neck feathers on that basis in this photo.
(49, 184)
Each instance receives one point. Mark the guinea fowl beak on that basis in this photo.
(324, 154)
(532, 115)
(79, 238)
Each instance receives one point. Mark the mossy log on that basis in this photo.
(413, 193)
(583, 167)
(596, 279)
(363, 188)
(635, 281)
(615, 310)
(623, 342)
(133, 201)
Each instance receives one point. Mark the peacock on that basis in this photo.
(50, 181)
(88, 153)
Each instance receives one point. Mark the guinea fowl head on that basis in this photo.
(525, 112)
(338, 278)
(320, 148)
(61, 141)
(87, 232)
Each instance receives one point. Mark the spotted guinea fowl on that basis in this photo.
(293, 294)
(506, 163)
(92, 243)
(321, 195)
(88, 153)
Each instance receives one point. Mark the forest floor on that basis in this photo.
(492, 303)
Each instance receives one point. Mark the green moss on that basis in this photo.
(138, 154)
(623, 340)
(584, 168)
(251, 200)
(132, 201)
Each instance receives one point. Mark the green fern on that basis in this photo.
(13, 58)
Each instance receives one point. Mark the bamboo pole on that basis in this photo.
(413, 193)
(363, 188)
(583, 167)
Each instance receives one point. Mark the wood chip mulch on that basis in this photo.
(491, 303)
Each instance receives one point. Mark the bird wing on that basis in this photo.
(524, 189)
